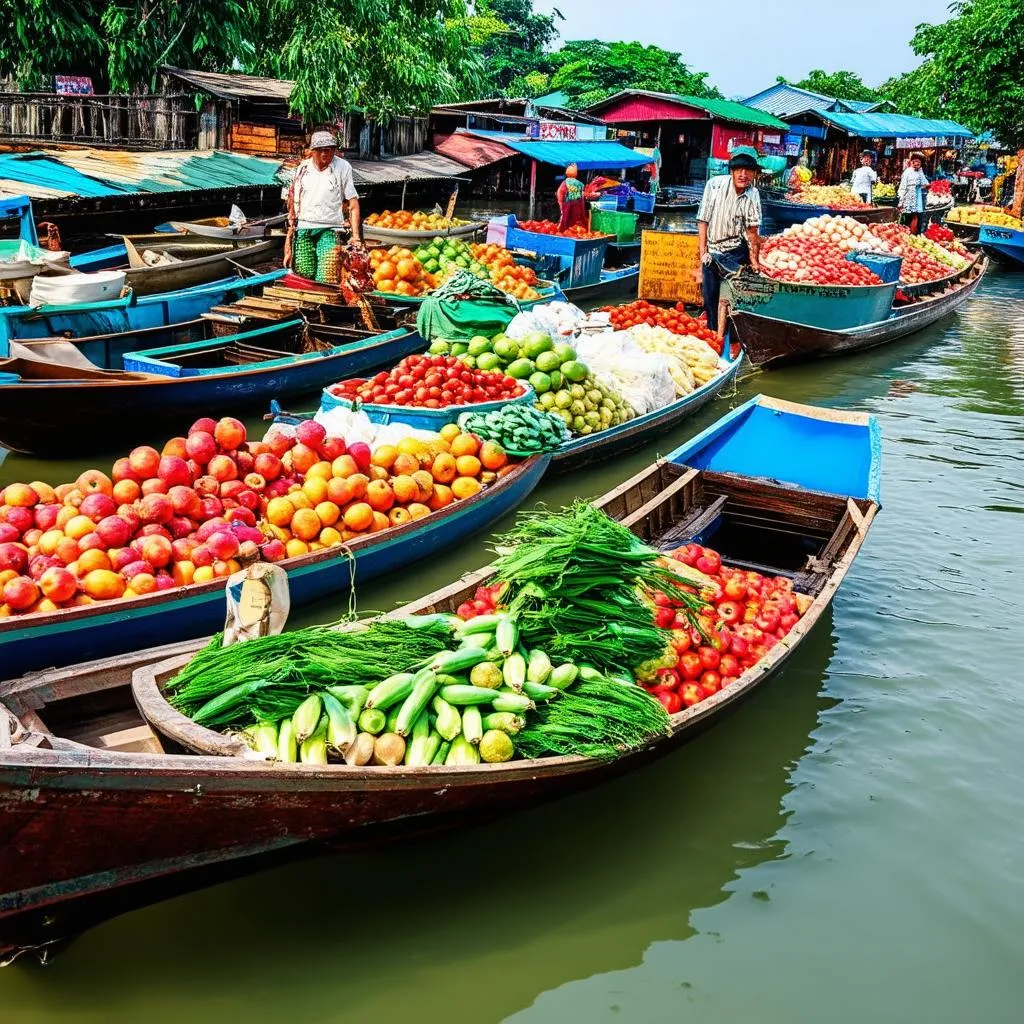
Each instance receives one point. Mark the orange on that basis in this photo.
(385, 286)
(203, 574)
(437, 446)
(399, 516)
(465, 444)
(443, 469)
(384, 456)
(315, 488)
(386, 271)
(409, 269)
(412, 446)
(103, 584)
(329, 536)
(418, 510)
(380, 522)
(322, 469)
(468, 465)
(465, 487)
(379, 495)
(406, 488)
(441, 497)
(405, 465)
(358, 483)
(92, 559)
(344, 466)
(424, 484)
(234, 565)
(296, 547)
(492, 455)
(328, 513)
(280, 511)
(306, 524)
(450, 431)
(358, 516)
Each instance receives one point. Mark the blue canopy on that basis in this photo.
(890, 126)
(587, 156)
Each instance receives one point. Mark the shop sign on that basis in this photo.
(668, 260)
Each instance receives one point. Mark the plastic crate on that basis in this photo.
(643, 202)
(583, 258)
(424, 419)
(885, 266)
(610, 205)
(621, 225)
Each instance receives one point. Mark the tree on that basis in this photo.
(590, 70)
(38, 29)
(840, 85)
(973, 69)
(514, 51)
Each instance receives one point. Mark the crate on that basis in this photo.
(885, 266)
(621, 225)
(611, 205)
(643, 202)
(582, 258)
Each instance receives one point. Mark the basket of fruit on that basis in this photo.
(407, 226)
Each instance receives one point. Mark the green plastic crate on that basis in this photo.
(621, 225)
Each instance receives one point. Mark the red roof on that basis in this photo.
(648, 108)
(470, 150)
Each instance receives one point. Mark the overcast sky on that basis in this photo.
(761, 39)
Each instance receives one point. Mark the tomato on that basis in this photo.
(730, 612)
(767, 621)
(710, 682)
(691, 694)
(735, 589)
(663, 617)
(729, 665)
(709, 657)
(709, 562)
(671, 701)
(690, 666)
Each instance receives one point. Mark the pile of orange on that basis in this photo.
(336, 503)
(397, 270)
(406, 220)
(506, 274)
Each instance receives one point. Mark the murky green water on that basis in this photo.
(847, 847)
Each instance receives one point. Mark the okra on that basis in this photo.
(506, 635)
(514, 672)
(504, 721)
(472, 725)
(462, 752)
(287, 749)
(392, 690)
(563, 677)
(467, 695)
(307, 717)
(538, 691)
(341, 729)
(372, 721)
(449, 721)
(442, 752)
(424, 685)
(538, 667)
(517, 703)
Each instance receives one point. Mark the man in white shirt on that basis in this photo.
(727, 223)
(864, 179)
(316, 213)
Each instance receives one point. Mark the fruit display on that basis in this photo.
(396, 270)
(940, 234)
(995, 216)
(587, 406)
(924, 259)
(672, 318)
(212, 502)
(742, 616)
(882, 190)
(845, 233)
(692, 362)
(548, 227)
(518, 428)
(835, 197)
(407, 220)
(430, 381)
(940, 187)
(810, 259)
(439, 254)
(485, 262)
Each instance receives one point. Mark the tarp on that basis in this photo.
(471, 151)
(891, 126)
(587, 156)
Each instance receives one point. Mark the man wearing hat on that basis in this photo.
(727, 223)
(316, 215)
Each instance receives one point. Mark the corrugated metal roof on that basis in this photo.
(552, 99)
(472, 151)
(588, 156)
(93, 173)
(415, 167)
(723, 110)
(234, 86)
(888, 126)
(785, 100)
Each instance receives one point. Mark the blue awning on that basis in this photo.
(890, 126)
(587, 156)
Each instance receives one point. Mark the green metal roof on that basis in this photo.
(729, 110)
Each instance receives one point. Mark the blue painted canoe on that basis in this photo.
(1005, 243)
(102, 629)
(132, 313)
(783, 213)
(107, 258)
(619, 283)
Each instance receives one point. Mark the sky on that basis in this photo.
(746, 44)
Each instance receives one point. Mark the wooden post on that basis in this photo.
(533, 187)
(1018, 185)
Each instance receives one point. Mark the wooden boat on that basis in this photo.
(131, 313)
(394, 236)
(777, 487)
(43, 413)
(619, 284)
(1005, 244)
(770, 342)
(58, 638)
(783, 212)
(220, 227)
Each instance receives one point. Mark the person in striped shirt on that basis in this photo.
(727, 225)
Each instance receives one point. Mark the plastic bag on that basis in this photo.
(642, 378)
(350, 424)
(558, 319)
(258, 602)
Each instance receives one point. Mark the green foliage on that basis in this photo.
(590, 70)
(516, 57)
(842, 85)
(973, 69)
(38, 29)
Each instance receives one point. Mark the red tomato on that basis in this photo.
(709, 657)
(691, 694)
(690, 665)
(710, 683)
(671, 701)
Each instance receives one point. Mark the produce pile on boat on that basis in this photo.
(835, 197)
(505, 273)
(882, 190)
(407, 220)
(924, 258)
(212, 502)
(549, 227)
(995, 216)
(519, 428)
(542, 662)
(807, 259)
(398, 271)
(940, 193)
(431, 381)
(672, 318)
(692, 362)
(743, 615)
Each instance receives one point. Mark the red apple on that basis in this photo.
(311, 433)
(165, 582)
(204, 425)
(154, 530)
(114, 531)
(247, 533)
(209, 528)
(223, 545)
(223, 468)
(91, 542)
(277, 488)
(229, 433)
(207, 485)
(182, 548)
(202, 555)
(58, 584)
(31, 537)
(245, 462)
(156, 508)
(19, 593)
(174, 472)
(333, 447)
(20, 518)
(268, 466)
(130, 571)
(154, 485)
(241, 515)
(279, 441)
(130, 514)
(144, 461)
(212, 507)
(13, 556)
(273, 550)
(180, 526)
(186, 501)
(41, 563)
(254, 482)
(231, 488)
(97, 506)
(20, 496)
(122, 557)
(360, 451)
(157, 551)
(8, 533)
(123, 471)
(45, 516)
(201, 447)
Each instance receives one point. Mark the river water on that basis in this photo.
(847, 847)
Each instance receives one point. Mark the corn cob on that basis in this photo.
(452, 662)
(449, 721)
(393, 689)
(514, 672)
(538, 667)
(372, 721)
(462, 752)
(506, 635)
(341, 730)
(517, 703)
(563, 677)
(424, 685)
(472, 725)
(462, 695)
(286, 747)
(307, 717)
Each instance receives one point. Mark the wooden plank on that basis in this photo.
(248, 129)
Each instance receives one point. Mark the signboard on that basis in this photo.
(72, 85)
(922, 143)
(812, 131)
(557, 131)
(668, 261)
(725, 139)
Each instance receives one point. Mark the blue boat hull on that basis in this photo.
(101, 630)
(1004, 243)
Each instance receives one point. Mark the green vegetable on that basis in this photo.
(372, 721)
(287, 749)
(462, 696)
(462, 752)
(496, 747)
(486, 674)
(457, 661)
(449, 721)
(472, 724)
(514, 671)
(307, 717)
(538, 691)
(505, 721)
(564, 676)
(424, 686)
(506, 635)
(538, 668)
(390, 691)
(341, 729)
(517, 703)
(313, 749)
(441, 756)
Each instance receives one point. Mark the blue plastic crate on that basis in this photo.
(583, 258)
(643, 202)
(885, 266)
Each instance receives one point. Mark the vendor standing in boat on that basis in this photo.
(913, 186)
(572, 207)
(864, 178)
(727, 224)
(316, 210)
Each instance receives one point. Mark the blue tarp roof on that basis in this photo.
(587, 156)
(887, 126)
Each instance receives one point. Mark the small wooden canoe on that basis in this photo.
(783, 213)
(31, 642)
(619, 284)
(220, 227)
(1006, 244)
(394, 236)
(196, 261)
(770, 343)
(776, 487)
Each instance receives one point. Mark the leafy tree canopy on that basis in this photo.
(841, 85)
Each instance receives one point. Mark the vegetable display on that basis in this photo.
(882, 190)
(518, 428)
(672, 318)
(486, 262)
(692, 363)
